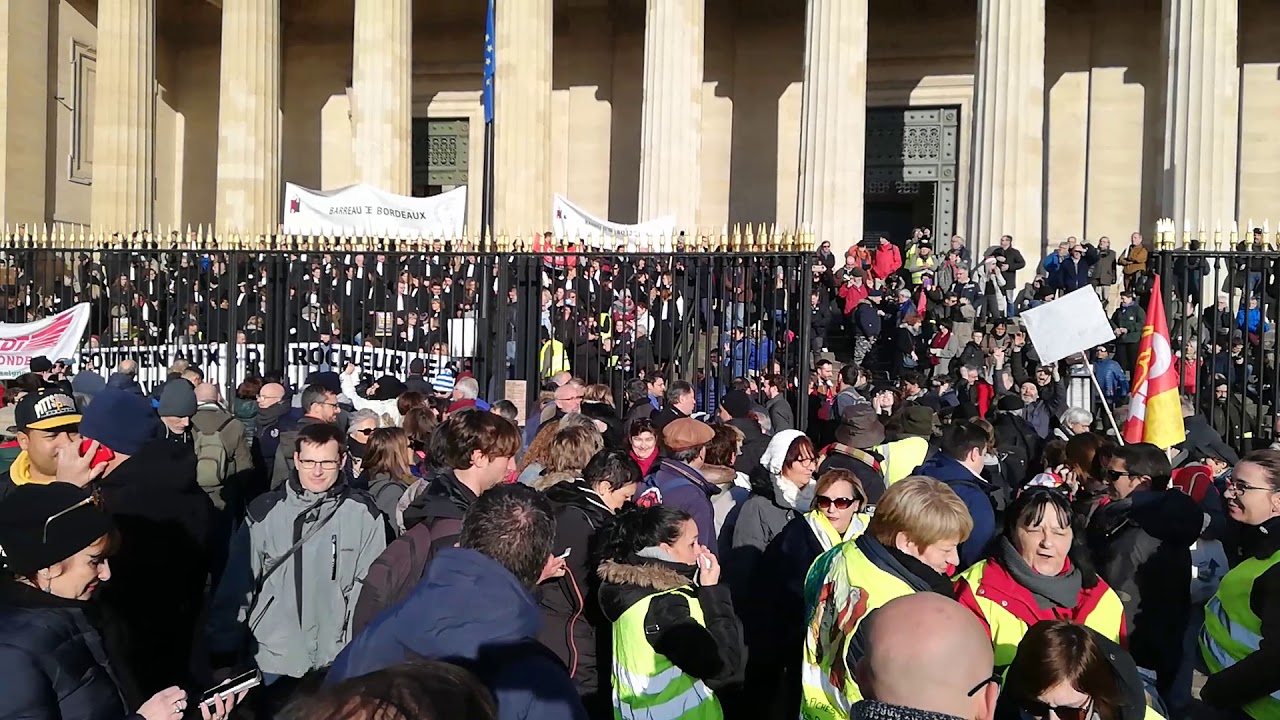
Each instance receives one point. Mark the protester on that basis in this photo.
(782, 489)
(569, 452)
(1068, 670)
(734, 487)
(1036, 572)
(476, 605)
(224, 465)
(295, 570)
(910, 545)
(642, 440)
(573, 623)
(47, 424)
(857, 434)
(925, 660)
(176, 408)
(676, 638)
(56, 660)
(471, 453)
(386, 470)
(960, 465)
(319, 406)
(677, 480)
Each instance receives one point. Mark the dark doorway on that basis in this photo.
(897, 208)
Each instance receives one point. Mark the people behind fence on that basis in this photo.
(722, 502)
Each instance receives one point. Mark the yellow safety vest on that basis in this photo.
(841, 588)
(1232, 630)
(1007, 629)
(552, 359)
(901, 457)
(648, 686)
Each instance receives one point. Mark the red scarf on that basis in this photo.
(645, 464)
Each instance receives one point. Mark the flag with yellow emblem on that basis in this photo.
(1155, 410)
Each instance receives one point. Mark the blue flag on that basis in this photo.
(490, 64)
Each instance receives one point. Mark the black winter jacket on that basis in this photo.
(53, 659)
(573, 626)
(715, 653)
(1141, 546)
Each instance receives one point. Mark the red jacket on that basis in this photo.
(852, 295)
(999, 586)
(887, 261)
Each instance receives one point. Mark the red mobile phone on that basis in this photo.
(104, 454)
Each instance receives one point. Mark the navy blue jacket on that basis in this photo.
(471, 611)
(1074, 274)
(53, 660)
(976, 494)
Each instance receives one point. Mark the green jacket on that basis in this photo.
(1132, 319)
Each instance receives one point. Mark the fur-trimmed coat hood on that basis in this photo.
(623, 584)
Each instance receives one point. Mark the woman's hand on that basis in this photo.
(74, 468)
(708, 568)
(165, 705)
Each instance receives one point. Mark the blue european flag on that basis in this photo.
(490, 64)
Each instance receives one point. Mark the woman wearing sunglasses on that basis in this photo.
(836, 516)
(1066, 671)
(1034, 573)
(1246, 609)
(54, 661)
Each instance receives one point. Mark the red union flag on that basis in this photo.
(53, 337)
(1155, 411)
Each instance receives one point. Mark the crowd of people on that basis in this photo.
(942, 534)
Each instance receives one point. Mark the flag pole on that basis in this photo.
(1106, 406)
(487, 99)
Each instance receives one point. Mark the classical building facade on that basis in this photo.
(1037, 118)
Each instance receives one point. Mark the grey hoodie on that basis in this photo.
(301, 618)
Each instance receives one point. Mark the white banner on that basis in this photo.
(366, 210)
(56, 338)
(1073, 323)
(154, 361)
(302, 359)
(573, 223)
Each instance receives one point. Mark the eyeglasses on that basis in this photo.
(365, 431)
(993, 678)
(1112, 476)
(1236, 487)
(841, 503)
(91, 500)
(313, 464)
(1038, 709)
(807, 459)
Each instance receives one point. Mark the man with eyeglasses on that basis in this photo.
(319, 406)
(296, 569)
(927, 658)
(1140, 543)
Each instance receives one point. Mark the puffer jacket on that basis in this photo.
(53, 659)
(301, 618)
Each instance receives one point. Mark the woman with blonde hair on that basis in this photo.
(910, 545)
(570, 450)
(387, 459)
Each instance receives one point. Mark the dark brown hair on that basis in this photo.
(1057, 651)
(799, 447)
(410, 400)
(249, 389)
(388, 452)
(420, 690)
(463, 433)
(1269, 461)
(723, 448)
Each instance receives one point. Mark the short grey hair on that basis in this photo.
(1076, 416)
(360, 416)
(467, 388)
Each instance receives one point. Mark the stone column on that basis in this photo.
(248, 188)
(24, 110)
(124, 130)
(671, 114)
(383, 88)
(522, 117)
(833, 123)
(1201, 100)
(1008, 127)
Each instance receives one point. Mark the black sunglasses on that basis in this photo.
(1038, 709)
(842, 503)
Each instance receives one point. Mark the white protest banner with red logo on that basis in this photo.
(53, 337)
(572, 223)
(366, 210)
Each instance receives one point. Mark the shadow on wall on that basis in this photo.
(196, 100)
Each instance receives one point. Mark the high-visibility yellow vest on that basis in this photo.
(648, 686)
(552, 359)
(1232, 630)
(1007, 629)
(901, 457)
(841, 588)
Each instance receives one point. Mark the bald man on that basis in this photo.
(274, 417)
(212, 419)
(926, 656)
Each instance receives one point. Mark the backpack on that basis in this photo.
(400, 568)
(213, 463)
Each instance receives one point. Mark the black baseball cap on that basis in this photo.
(45, 409)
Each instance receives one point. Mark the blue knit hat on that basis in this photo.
(121, 420)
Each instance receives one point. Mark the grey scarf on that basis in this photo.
(1050, 591)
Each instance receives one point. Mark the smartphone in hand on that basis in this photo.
(231, 687)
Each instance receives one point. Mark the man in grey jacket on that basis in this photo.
(213, 419)
(297, 605)
(781, 417)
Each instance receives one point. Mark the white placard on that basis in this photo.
(1068, 325)
(366, 210)
(574, 224)
(57, 337)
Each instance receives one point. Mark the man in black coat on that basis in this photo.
(1140, 543)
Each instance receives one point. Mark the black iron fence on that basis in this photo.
(705, 310)
(1223, 310)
